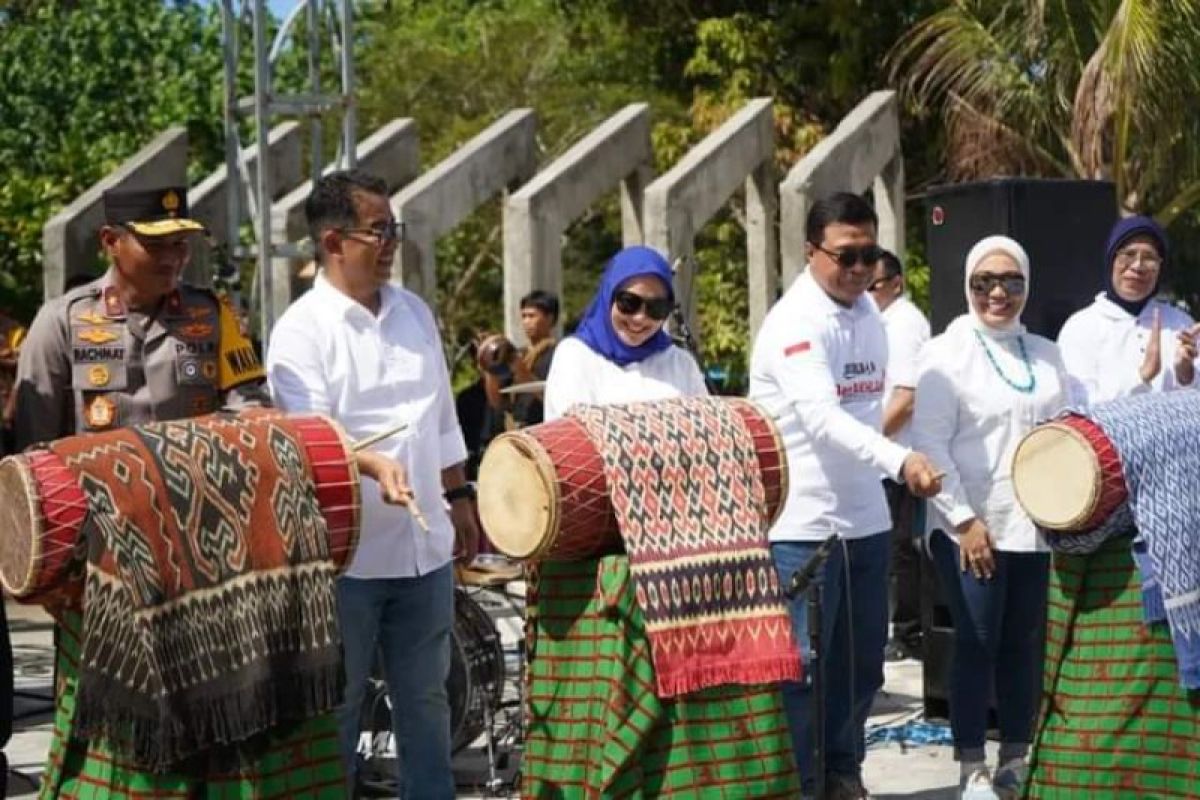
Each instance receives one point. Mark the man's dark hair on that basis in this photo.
(331, 203)
(843, 207)
(891, 265)
(543, 301)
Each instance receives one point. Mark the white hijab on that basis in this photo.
(970, 322)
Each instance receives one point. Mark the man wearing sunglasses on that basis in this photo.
(818, 366)
(368, 353)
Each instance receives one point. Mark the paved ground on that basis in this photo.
(893, 771)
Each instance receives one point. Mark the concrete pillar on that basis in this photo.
(392, 153)
(502, 155)
(535, 216)
(208, 199)
(69, 243)
(737, 155)
(864, 147)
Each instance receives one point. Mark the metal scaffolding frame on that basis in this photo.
(332, 17)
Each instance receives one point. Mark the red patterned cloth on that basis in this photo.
(684, 482)
(209, 606)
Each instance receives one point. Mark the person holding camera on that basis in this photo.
(504, 366)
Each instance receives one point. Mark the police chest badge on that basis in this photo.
(100, 412)
(99, 375)
(97, 335)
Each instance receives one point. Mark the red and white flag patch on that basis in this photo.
(797, 348)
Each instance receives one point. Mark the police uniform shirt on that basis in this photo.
(90, 364)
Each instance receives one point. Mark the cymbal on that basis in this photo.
(524, 388)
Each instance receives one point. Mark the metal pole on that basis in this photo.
(317, 155)
(262, 99)
(350, 116)
(233, 147)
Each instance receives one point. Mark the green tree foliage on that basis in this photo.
(86, 85)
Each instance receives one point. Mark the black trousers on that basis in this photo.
(905, 573)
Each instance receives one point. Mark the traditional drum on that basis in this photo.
(42, 510)
(1067, 475)
(543, 493)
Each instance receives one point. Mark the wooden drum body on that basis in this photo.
(42, 508)
(42, 511)
(543, 493)
(1067, 475)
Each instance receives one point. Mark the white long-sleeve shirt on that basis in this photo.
(1103, 347)
(578, 374)
(907, 332)
(818, 369)
(330, 355)
(968, 420)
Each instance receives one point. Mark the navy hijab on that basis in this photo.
(596, 329)
(1122, 232)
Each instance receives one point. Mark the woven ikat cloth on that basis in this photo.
(689, 501)
(1158, 439)
(209, 612)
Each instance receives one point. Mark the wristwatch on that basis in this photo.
(466, 491)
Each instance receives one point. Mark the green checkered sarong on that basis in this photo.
(1115, 722)
(597, 729)
(303, 762)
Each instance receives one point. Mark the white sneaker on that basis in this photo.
(977, 785)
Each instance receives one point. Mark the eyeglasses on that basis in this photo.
(1129, 258)
(985, 282)
(387, 232)
(629, 304)
(847, 257)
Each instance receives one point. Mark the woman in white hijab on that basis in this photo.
(983, 384)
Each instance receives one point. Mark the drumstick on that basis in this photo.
(415, 510)
(362, 444)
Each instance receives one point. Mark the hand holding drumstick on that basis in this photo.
(389, 474)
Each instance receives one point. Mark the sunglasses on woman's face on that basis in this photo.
(629, 304)
(985, 282)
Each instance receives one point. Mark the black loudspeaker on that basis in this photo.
(1062, 224)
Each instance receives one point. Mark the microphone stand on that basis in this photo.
(811, 579)
(683, 332)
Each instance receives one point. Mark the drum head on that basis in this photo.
(20, 526)
(518, 495)
(1056, 476)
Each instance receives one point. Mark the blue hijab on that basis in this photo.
(1122, 232)
(596, 329)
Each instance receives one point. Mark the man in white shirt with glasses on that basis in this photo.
(368, 353)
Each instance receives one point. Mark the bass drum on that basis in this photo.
(474, 687)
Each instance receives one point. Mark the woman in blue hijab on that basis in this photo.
(620, 352)
(1127, 341)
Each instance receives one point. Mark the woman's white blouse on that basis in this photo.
(969, 420)
(578, 374)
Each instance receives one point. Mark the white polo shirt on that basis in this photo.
(818, 368)
(907, 332)
(330, 355)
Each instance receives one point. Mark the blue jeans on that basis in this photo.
(853, 637)
(998, 625)
(409, 622)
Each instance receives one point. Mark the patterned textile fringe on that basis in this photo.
(214, 646)
(684, 480)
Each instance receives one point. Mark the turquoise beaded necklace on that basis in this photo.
(1023, 389)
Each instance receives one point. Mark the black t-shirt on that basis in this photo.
(528, 408)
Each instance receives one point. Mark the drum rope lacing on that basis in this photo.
(1026, 389)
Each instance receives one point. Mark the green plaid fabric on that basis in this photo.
(597, 729)
(303, 762)
(1115, 722)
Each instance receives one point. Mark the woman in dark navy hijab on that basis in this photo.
(1127, 341)
(620, 352)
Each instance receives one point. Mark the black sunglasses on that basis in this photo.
(387, 232)
(847, 257)
(629, 303)
(985, 282)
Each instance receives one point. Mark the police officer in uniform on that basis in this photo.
(135, 346)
